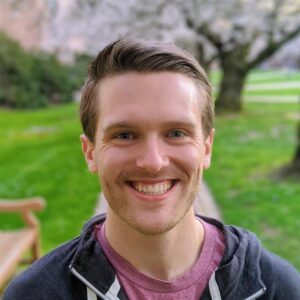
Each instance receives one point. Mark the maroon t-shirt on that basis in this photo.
(190, 285)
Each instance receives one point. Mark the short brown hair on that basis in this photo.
(126, 55)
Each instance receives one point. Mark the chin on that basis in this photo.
(150, 228)
(153, 230)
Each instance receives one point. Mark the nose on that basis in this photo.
(152, 156)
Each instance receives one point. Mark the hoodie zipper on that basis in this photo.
(257, 294)
(216, 295)
(89, 285)
(213, 288)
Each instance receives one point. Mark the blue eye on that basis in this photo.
(176, 134)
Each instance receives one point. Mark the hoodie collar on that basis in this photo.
(91, 266)
(238, 276)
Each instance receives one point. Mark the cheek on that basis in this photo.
(108, 165)
(190, 157)
(110, 162)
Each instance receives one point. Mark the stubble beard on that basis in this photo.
(117, 206)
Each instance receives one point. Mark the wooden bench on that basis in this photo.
(15, 243)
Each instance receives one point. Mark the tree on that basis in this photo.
(240, 34)
(295, 165)
(296, 160)
(31, 80)
(96, 23)
(244, 34)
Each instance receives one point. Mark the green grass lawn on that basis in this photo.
(274, 92)
(248, 148)
(270, 83)
(273, 76)
(264, 76)
(40, 154)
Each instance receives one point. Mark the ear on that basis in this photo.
(88, 149)
(208, 144)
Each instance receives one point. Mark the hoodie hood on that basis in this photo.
(240, 268)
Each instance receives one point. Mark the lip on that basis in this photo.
(152, 198)
(151, 181)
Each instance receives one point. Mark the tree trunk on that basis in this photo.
(296, 160)
(230, 94)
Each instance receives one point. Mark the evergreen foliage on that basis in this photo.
(32, 80)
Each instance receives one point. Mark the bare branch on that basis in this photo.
(211, 36)
(272, 47)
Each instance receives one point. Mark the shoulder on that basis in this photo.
(45, 278)
(282, 279)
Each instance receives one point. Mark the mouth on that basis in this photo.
(152, 188)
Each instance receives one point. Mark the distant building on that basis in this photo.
(24, 21)
(39, 25)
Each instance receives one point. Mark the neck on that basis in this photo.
(165, 256)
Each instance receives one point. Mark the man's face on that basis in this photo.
(149, 149)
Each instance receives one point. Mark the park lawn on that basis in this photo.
(274, 92)
(273, 76)
(248, 149)
(264, 76)
(40, 155)
(257, 79)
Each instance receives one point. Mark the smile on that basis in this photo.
(158, 188)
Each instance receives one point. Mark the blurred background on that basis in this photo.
(250, 50)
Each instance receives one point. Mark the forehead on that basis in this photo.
(148, 98)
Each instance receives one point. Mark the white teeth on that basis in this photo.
(152, 189)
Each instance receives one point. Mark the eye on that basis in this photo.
(124, 136)
(177, 133)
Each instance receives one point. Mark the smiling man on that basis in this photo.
(149, 151)
(147, 116)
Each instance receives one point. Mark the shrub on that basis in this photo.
(79, 68)
(31, 80)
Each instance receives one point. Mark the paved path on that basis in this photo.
(204, 205)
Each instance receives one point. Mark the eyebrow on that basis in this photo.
(187, 123)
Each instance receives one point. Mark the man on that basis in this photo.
(147, 117)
